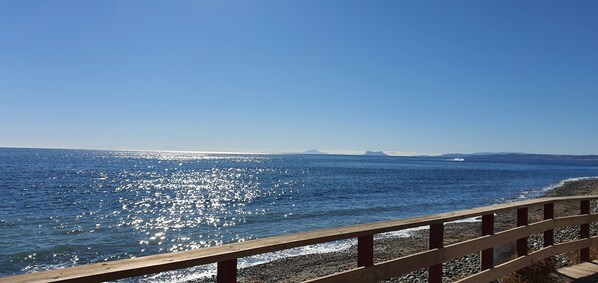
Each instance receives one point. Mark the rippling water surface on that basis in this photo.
(67, 207)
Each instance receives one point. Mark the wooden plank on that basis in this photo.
(586, 268)
(361, 274)
(487, 255)
(586, 272)
(584, 230)
(365, 250)
(574, 273)
(403, 265)
(475, 245)
(524, 261)
(471, 246)
(227, 271)
(384, 270)
(548, 234)
(508, 267)
(575, 220)
(436, 242)
(522, 220)
(157, 263)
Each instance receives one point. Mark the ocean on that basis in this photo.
(62, 208)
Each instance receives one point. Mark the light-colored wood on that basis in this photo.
(526, 260)
(403, 265)
(587, 268)
(158, 263)
(586, 271)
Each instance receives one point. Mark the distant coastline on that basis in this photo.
(469, 156)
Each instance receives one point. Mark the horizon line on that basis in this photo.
(389, 153)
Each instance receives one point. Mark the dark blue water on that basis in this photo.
(66, 207)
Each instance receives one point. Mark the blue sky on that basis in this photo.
(276, 76)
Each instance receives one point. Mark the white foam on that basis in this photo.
(405, 233)
(45, 267)
(529, 194)
(467, 220)
(176, 276)
(564, 182)
(305, 250)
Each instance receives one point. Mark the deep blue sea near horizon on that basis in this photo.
(68, 207)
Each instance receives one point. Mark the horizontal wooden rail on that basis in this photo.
(403, 265)
(524, 261)
(227, 255)
(397, 267)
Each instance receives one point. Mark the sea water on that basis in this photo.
(62, 208)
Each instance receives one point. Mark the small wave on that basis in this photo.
(467, 220)
(530, 194)
(456, 159)
(299, 251)
(405, 233)
(178, 276)
(564, 182)
(46, 266)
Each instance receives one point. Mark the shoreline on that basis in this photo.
(310, 266)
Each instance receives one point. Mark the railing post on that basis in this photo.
(522, 220)
(548, 234)
(365, 250)
(227, 271)
(487, 255)
(584, 254)
(436, 241)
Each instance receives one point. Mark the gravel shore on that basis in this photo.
(311, 266)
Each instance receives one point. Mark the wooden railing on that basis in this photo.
(367, 271)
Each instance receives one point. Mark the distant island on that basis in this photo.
(375, 153)
(313, 151)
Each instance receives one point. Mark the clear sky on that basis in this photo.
(276, 76)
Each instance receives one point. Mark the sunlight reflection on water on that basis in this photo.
(66, 207)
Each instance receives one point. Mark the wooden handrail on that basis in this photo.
(527, 260)
(226, 255)
(421, 260)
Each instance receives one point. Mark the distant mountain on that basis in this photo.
(313, 151)
(375, 153)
